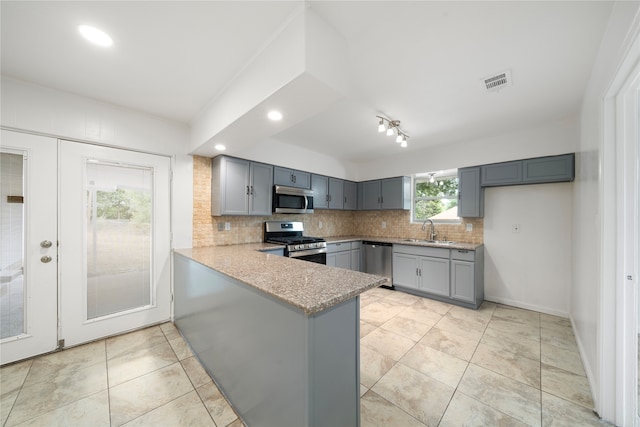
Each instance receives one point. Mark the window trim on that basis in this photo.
(414, 179)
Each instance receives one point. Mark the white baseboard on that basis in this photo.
(526, 306)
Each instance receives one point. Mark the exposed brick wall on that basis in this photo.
(249, 229)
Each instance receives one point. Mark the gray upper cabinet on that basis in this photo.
(336, 193)
(350, 195)
(291, 178)
(470, 193)
(320, 188)
(508, 173)
(328, 193)
(389, 193)
(240, 187)
(260, 188)
(548, 169)
(530, 171)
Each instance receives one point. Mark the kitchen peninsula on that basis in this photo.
(279, 336)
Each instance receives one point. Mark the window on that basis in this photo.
(435, 196)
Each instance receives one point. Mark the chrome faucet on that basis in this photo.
(432, 234)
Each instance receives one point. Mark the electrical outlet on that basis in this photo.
(469, 227)
(320, 225)
(227, 226)
(384, 224)
(515, 228)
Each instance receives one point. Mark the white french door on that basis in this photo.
(28, 267)
(85, 239)
(114, 241)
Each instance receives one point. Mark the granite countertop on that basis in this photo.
(306, 285)
(402, 241)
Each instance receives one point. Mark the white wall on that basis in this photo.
(546, 139)
(32, 108)
(595, 329)
(532, 268)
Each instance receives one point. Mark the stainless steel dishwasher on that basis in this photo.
(377, 260)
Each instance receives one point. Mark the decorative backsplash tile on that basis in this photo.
(322, 223)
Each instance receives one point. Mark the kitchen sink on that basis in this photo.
(438, 242)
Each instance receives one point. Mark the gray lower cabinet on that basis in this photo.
(421, 268)
(344, 255)
(291, 178)
(240, 187)
(389, 193)
(467, 275)
(356, 254)
(276, 251)
(470, 193)
(451, 275)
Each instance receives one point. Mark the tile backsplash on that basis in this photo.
(322, 223)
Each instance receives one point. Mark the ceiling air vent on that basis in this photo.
(497, 81)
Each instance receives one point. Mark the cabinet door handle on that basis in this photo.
(247, 190)
(345, 199)
(463, 251)
(326, 198)
(329, 197)
(251, 191)
(382, 200)
(417, 272)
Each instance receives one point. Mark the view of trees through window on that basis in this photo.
(436, 197)
(124, 204)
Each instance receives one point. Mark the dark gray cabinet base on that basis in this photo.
(276, 365)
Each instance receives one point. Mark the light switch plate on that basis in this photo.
(384, 224)
(227, 226)
(469, 227)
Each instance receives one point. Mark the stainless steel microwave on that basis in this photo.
(292, 200)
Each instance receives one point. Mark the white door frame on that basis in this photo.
(618, 317)
(40, 285)
(74, 327)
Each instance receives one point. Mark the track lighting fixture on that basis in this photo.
(391, 126)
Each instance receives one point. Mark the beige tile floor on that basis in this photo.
(422, 363)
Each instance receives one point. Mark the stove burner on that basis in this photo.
(290, 234)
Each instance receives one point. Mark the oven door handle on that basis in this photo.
(307, 252)
(306, 203)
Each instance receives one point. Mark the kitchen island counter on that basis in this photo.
(279, 336)
(307, 286)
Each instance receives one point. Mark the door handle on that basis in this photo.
(45, 259)
(46, 244)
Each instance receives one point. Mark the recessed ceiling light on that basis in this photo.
(95, 35)
(220, 147)
(275, 115)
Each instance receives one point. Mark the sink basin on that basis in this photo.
(438, 242)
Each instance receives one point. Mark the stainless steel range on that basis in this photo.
(291, 234)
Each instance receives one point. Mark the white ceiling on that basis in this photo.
(417, 61)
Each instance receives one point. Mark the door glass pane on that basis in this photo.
(12, 300)
(119, 230)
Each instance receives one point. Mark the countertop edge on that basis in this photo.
(253, 253)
